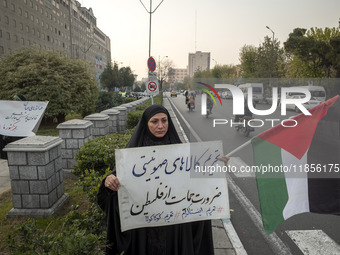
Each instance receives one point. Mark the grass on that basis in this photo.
(7, 225)
(51, 129)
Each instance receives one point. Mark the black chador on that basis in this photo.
(180, 239)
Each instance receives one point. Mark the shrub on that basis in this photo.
(99, 153)
(130, 99)
(133, 118)
(30, 239)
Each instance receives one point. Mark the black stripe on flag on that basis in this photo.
(324, 187)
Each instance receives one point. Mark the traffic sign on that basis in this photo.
(152, 87)
(151, 64)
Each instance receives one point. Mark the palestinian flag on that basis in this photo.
(305, 164)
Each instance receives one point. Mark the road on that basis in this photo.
(306, 233)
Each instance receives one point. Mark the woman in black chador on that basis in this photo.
(154, 128)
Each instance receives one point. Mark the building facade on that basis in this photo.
(177, 75)
(198, 61)
(59, 25)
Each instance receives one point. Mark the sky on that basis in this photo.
(221, 27)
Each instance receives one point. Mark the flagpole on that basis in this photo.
(239, 148)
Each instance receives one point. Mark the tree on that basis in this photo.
(68, 84)
(126, 77)
(114, 77)
(110, 77)
(313, 53)
(165, 70)
(265, 61)
(248, 59)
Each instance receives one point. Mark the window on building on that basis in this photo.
(2, 50)
(31, 4)
(20, 11)
(38, 34)
(22, 41)
(33, 31)
(37, 20)
(48, 38)
(6, 20)
(27, 29)
(0, 33)
(32, 18)
(21, 26)
(5, 3)
(15, 38)
(8, 37)
(14, 23)
(26, 14)
(12, 7)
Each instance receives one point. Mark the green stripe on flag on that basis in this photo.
(271, 187)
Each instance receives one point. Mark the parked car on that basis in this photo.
(173, 93)
(308, 105)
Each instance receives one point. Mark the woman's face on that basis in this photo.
(158, 125)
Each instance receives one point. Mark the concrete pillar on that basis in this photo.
(128, 107)
(100, 124)
(122, 118)
(35, 168)
(75, 133)
(113, 120)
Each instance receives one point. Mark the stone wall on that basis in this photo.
(36, 176)
(37, 163)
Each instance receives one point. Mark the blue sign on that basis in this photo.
(151, 64)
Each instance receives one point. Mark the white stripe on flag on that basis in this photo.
(297, 185)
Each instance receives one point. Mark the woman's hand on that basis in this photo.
(112, 182)
(224, 159)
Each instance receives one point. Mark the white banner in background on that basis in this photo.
(19, 118)
(159, 185)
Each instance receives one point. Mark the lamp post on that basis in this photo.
(215, 61)
(271, 66)
(272, 32)
(150, 11)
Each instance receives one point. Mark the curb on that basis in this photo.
(228, 226)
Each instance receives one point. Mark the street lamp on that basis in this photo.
(150, 12)
(272, 32)
(215, 61)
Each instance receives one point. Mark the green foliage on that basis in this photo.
(115, 77)
(219, 71)
(99, 153)
(107, 100)
(129, 100)
(314, 53)
(265, 61)
(137, 89)
(30, 239)
(68, 84)
(133, 118)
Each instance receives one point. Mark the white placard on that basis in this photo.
(160, 185)
(19, 118)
